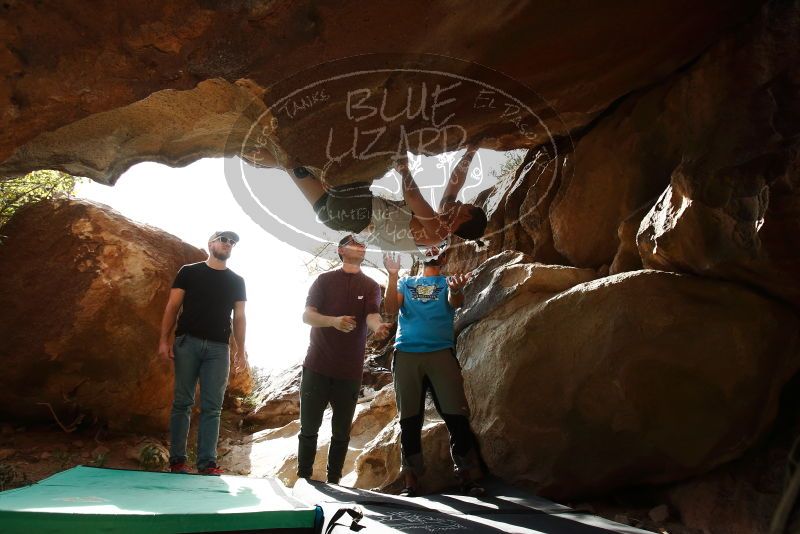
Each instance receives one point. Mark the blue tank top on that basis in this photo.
(426, 318)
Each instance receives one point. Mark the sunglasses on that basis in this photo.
(223, 239)
(352, 241)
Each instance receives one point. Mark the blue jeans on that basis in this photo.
(208, 361)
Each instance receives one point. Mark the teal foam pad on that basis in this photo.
(88, 499)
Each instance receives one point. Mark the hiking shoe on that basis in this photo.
(179, 467)
(210, 470)
(472, 489)
(408, 491)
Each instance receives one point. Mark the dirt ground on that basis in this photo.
(29, 454)
(32, 453)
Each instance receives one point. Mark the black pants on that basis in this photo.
(316, 392)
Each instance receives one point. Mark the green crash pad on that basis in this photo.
(90, 499)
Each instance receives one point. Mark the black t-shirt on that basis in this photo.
(208, 302)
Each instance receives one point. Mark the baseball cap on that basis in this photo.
(224, 233)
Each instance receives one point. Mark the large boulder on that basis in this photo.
(721, 133)
(82, 293)
(657, 165)
(621, 163)
(627, 257)
(378, 466)
(544, 175)
(751, 235)
(732, 206)
(642, 377)
(744, 496)
(278, 401)
(505, 275)
(373, 419)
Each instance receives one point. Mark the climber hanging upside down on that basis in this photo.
(410, 226)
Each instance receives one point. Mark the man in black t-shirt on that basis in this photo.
(207, 292)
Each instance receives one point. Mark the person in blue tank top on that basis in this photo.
(424, 361)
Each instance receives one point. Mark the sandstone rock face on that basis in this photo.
(733, 241)
(743, 496)
(676, 148)
(610, 174)
(240, 384)
(732, 501)
(627, 257)
(736, 193)
(82, 292)
(378, 467)
(643, 377)
(280, 402)
(382, 409)
(507, 275)
(122, 54)
(544, 172)
(724, 205)
(170, 127)
(732, 208)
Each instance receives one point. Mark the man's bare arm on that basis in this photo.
(168, 322)
(392, 300)
(413, 197)
(458, 178)
(377, 326)
(423, 211)
(455, 295)
(239, 330)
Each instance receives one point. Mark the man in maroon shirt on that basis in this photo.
(341, 307)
